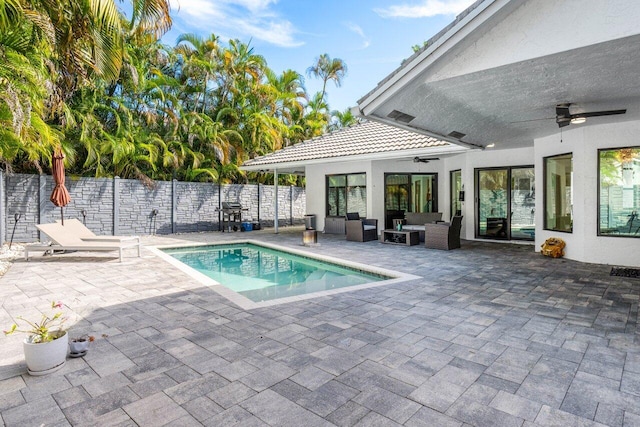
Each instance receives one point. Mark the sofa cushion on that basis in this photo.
(413, 227)
(422, 218)
(366, 227)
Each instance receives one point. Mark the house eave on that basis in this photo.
(417, 64)
(385, 155)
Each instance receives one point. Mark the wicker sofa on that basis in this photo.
(443, 235)
(415, 221)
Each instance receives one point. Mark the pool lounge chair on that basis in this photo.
(77, 228)
(63, 238)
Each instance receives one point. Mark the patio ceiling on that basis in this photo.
(513, 104)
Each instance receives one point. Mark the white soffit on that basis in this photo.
(499, 81)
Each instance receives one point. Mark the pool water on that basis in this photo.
(262, 274)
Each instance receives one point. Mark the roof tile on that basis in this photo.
(364, 138)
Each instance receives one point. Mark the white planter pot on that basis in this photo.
(47, 357)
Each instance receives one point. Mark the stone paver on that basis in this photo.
(491, 334)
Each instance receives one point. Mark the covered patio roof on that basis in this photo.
(496, 74)
(369, 140)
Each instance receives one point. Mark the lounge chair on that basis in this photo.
(77, 228)
(64, 238)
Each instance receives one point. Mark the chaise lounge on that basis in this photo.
(80, 230)
(66, 238)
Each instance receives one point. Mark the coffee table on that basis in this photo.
(395, 237)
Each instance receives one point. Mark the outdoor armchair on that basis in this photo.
(361, 229)
(443, 235)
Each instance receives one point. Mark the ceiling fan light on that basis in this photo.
(578, 120)
(493, 144)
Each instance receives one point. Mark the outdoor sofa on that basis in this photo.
(416, 221)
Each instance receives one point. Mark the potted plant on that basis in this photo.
(47, 343)
(79, 346)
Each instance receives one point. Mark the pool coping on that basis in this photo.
(246, 304)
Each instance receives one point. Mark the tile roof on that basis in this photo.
(365, 138)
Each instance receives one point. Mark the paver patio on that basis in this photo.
(493, 334)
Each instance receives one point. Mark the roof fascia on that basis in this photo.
(407, 72)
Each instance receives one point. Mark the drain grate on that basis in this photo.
(625, 272)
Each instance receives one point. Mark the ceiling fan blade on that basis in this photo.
(532, 120)
(599, 113)
(418, 159)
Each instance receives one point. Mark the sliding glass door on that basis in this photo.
(409, 193)
(505, 203)
(523, 202)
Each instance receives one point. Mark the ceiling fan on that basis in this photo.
(417, 159)
(565, 118)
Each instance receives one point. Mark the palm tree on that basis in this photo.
(327, 68)
(25, 138)
(288, 95)
(342, 119)
(89, 37)
(317, 116)
(201, 61)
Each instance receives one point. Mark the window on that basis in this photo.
(619, 192)
(558, 193)
(506, 203)
(456, 193)
(347, 193)
(409, 193)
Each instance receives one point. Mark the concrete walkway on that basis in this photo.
(492, 335)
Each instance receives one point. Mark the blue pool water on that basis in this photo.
(263, 274)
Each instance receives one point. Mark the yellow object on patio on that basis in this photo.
(553, 247)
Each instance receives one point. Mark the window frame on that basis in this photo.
(544, 193)
(598, 231)
(346, 191)
(452, 191)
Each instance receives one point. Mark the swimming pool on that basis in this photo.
(254, 274)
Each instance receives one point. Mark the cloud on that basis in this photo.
(425, 9)
(242, 19)
(358, 30)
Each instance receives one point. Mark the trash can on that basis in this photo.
(310, 222)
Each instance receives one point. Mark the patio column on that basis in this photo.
(275, 183)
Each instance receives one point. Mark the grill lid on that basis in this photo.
(231, 205)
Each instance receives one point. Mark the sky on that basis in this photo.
(371, 36)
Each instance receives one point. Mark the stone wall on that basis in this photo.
(123, 206)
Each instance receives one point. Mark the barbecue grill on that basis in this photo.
(231, 215)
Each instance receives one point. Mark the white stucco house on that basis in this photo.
(530, 112)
